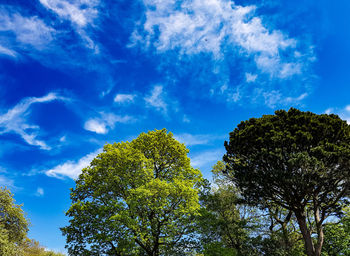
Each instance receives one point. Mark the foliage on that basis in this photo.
(222, 231)
(338, 236)
(13, 225)
(32, 248)
(14, 228)
(135, 198)
(296, 160)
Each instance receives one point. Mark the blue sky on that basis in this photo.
(76, 74)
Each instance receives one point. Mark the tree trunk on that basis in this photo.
(309, 246)
(319, 227)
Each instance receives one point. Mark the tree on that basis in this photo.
(14, 228)
(135, 198)
(296, 160)
(33, 248)
(228, 226)
(221, 228)
(338, 236)
(13, 225)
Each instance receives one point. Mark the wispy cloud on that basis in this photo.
(195, 26)
(343, 113)
(81, 13)
(15, 120)
(250, 78)
(8, 52)
(6, 182)
(106, 121)
(46, 38)
(124, 98)
(72, 169)
(25, 33)
(224, 38)
(197, 139)
(156, 99)
(274, 98)
(206, 158)
(39, 192)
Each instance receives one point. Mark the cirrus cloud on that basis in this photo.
(15, 120)
(195, 26)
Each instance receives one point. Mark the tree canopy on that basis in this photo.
(14, 228)
(13, 224)
(135, 198)
(296, 160)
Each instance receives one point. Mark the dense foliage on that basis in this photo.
(14, 228)
(13, 225)
(298, 161)
(282, 189)
(136, 198)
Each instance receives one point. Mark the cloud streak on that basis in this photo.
(197, 139)
(72, 169)
(15, 120)
(107, 121)
(124, 98)
(81, 14)
(343, 113)
(206, 158)
(156, 99)
(23, 33)
(213, 27)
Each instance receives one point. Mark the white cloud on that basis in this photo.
(207, 157)
(185, 119)
(344, 113)
(6, 182)
(124, 98)
(329, 111)
(250, 78)
(39, 192)
(80, 13)
(72, 169)
(198, 139)
(156, 99)
(63, 138)
(8, 52)
(274, 98)
(296, 99)
(192, 140)
(15, 120)
(27, 31)
(196, 26)
(94, 125)
(106, 121)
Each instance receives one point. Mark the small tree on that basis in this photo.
(135, 198)
(297, 160)
(13, 225)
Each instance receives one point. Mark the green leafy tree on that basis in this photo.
(338, 236)
(296, 160)
(135, 198)
(13, 225)
(222, 230)
(228, 226)
(33, 248)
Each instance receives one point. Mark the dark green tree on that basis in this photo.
(297, 160)
(135, 198)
